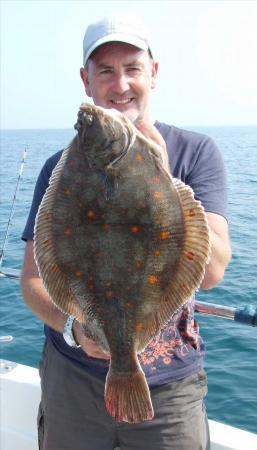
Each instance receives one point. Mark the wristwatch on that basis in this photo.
(68, 335)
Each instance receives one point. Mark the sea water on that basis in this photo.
(231, 348)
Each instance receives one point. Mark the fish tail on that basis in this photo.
(127, 396)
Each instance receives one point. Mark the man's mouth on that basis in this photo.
(125, 101)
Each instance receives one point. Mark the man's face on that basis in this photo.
(121, 76)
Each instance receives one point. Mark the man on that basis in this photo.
(119, 72)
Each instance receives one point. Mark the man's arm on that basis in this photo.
(220, 250)
(38, 300)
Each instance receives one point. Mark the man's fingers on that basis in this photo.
(94, 350)
(88, 345)
(151, 133)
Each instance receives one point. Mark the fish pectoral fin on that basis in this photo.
(127, 396)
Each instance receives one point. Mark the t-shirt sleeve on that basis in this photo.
(40, 188)
(207, 177)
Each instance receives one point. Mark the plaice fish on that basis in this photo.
(121, 245)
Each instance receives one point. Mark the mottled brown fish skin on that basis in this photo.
(128, 245)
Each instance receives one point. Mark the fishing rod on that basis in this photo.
(2, 254)
(246, 314)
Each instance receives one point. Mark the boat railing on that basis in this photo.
(246, 314)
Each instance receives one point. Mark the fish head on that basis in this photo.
(104, 135)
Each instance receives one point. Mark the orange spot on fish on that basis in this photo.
(139, 157)
(135, 229)
(138, 327)
(164, 234)
(157, 194)
(67, 231)
(191, 212)
(78, 273)
(90, 214)
(156, 180)
(109, 293)
(108, 284)
(47, 242)
(157, 253)
(66, 191)
(55, 268)
(190, 256)
(129, 305)
(152, 279)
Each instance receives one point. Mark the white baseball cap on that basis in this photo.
(127, 29)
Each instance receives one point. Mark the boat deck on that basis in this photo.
(20, 394)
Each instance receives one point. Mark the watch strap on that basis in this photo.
(68, 335)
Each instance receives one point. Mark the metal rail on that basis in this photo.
(244, 314)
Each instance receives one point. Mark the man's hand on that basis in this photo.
(90, 347)
(151, 133)
(38, 300)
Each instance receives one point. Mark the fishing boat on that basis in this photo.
(20, 392)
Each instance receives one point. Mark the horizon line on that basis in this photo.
(175, 125)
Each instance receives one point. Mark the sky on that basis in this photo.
(207, 53)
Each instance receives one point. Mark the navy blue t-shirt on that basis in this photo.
(178, 350)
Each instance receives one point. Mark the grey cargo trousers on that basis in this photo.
(72, 414)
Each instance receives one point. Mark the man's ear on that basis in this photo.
(84, 78)
(155, 67)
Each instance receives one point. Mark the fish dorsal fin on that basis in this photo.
(54, 280)
(190, 268)
(195, 252)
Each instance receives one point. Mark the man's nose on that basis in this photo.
(120, 83)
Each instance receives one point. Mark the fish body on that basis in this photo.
(121, 245)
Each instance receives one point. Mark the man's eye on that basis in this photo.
(105, 71)
(133, 69)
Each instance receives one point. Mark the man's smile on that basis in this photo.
(122, 102)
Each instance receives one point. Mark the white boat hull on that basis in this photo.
(20, 395)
